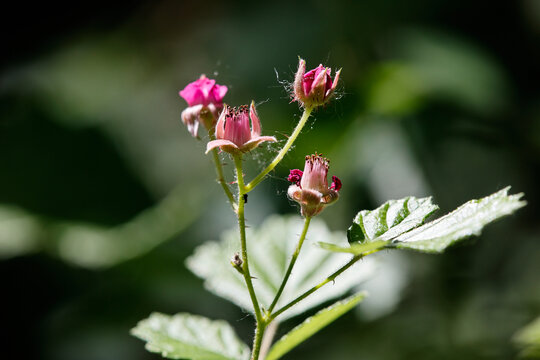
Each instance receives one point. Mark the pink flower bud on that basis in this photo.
(315, 87)
(233, 132)
(310, 188)
(205, 100)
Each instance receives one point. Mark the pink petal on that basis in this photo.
(219, 92)
(320, 79)
(253, 143)
(206, 85)
(215, 143)
(220, 126)
(192, 94)
(255, 122)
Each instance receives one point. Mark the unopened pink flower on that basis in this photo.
(310, 188)
(233, 132)
(315, 87)
(205, 100)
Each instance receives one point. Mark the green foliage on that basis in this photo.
(356, 249)
(391, 219)
(398, 224)
(465, 221)
(312, 325)
(270, 248)
(186, 336)
(528, 339)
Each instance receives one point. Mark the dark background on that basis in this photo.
(103, 193)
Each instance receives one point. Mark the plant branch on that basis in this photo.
(291, 264)
(220, 177)
(242, 227)
(282, 152)
(317, 287)
(259, 334)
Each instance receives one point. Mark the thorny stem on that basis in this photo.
(291, 264)
(282, 152)
(318, 286)
(261, 324)
(220, 177)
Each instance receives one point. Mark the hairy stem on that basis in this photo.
(282, 152)
(317, 287)
(291, 264)
(257, 341)
(259, 332)
(221, 178)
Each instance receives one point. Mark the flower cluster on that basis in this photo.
(237, 130)
(310, 187)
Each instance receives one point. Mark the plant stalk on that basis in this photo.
(291, 264)
(283, 151)
(257, 341)
(316, 287)
(242, 228)
(220, 177)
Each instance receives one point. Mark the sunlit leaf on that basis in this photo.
(390, 219)
(528, 339)
(356, 249)
(312, 325)
(270, 249)
(465, 221)
(398, 223)
(186, 336)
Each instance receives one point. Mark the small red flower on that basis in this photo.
(315, 87)
(205, 100)
(310, 187)
(233, 132)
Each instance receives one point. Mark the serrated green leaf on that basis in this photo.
(312, 325)
(356, 249)
(390, 219)
(186, 336)
(528, 339)
(465, 221)
(270, 248)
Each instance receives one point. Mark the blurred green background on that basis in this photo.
(103, 193)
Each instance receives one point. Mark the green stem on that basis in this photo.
(316, 287)
(282, 152)
(242, 227)
(291, 264)
(259, 333)
(220, 177)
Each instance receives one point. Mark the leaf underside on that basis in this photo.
(186, 336)
(270, 248)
